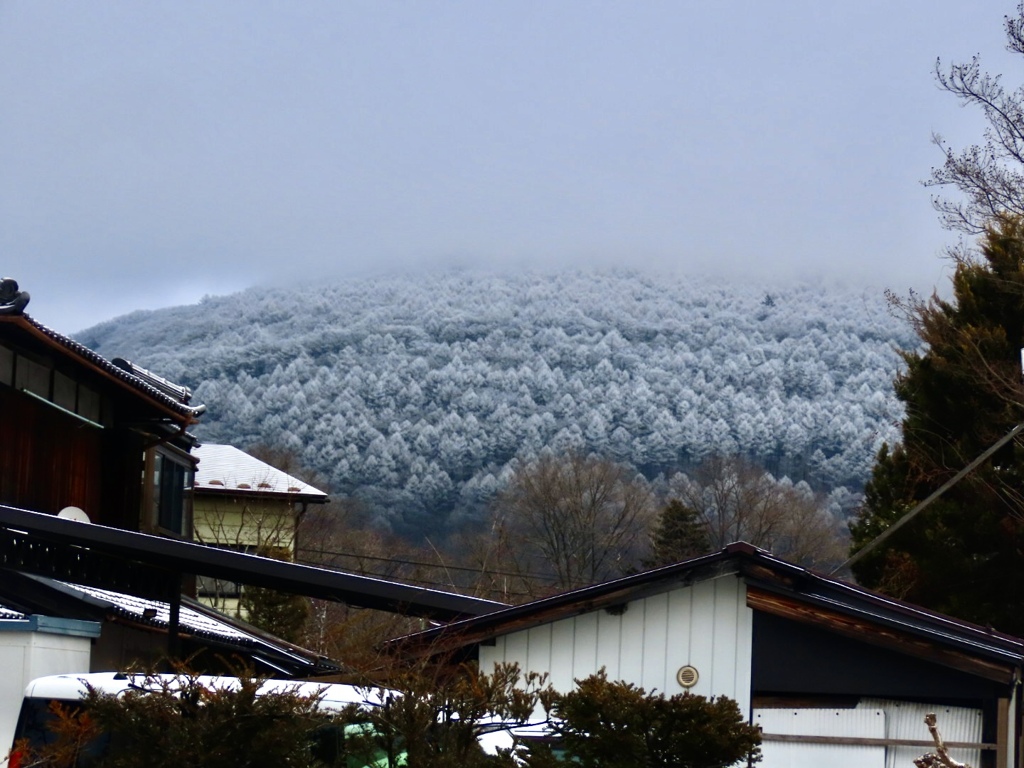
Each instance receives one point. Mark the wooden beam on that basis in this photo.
(1002, 732)
(855, 741)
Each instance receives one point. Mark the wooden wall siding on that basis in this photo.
(865, 631)
(708, 626)
(48, 459)
(123, 465)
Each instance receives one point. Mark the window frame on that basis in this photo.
(168, 507)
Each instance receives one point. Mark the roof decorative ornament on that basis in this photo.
(177, 391)
(12, 301)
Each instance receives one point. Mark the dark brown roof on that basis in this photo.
(773, 585)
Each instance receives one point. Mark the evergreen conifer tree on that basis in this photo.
(963, 555)
(280, 613)
(678, 535)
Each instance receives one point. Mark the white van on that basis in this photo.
(35, 714)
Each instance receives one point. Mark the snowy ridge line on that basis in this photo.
(419, 395)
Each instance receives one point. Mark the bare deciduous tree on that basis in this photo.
(989, 175)
(737, 500)
(573, 520)
(337, 536)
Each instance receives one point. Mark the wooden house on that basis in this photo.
(833, 673)
(83, 438)
(80, 432)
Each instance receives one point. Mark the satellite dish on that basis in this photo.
(74, 513)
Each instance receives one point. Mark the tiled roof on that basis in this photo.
(226, 468)
(200, 622)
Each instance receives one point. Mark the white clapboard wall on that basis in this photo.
(707, 626)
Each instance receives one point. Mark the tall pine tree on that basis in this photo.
(964, 554)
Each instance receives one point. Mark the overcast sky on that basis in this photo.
(151, 153)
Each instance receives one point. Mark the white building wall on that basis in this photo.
(878, 719)
(865, 723)
(905, 720)
(707, 626)
(26, 655)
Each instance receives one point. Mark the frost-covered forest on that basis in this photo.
(418, 394)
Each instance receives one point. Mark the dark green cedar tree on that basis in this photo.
(678, 535)
(964, 554)
(283, 614)
(279, 613)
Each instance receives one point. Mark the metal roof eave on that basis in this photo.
(753, 565)
(51, 546)
(63, 599)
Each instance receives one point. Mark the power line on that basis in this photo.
(427, 582)
(396, 561)
(871, 545)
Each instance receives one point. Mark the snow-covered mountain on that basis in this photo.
(418, 393)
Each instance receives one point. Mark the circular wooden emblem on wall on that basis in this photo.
(687, 676)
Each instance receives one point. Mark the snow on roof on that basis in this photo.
(201, 621)
(7, 614)
(158, 613)
(226, 468)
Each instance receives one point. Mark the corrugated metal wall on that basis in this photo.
(707, 626)
(905, 720)
(872, 719)
(856, 723)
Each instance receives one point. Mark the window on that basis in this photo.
(171, 493)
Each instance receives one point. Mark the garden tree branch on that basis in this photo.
(940, 757)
